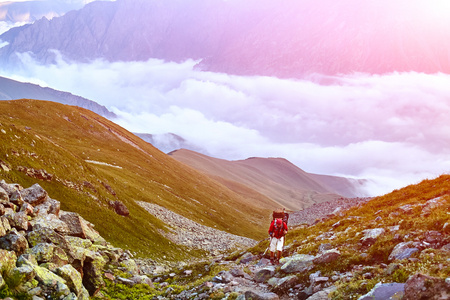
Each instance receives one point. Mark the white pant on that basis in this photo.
(277, 244)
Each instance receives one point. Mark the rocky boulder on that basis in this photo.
(383, 291)
(48, 253)
(297, 263)
(421, 286)
(371, 236)
(34, 195)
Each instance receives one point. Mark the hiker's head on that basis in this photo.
(279, 222)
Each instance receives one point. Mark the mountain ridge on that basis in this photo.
(12, 90)
(76, 154)
(275, 178)
(277, 40)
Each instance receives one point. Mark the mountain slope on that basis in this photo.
(30, 11)
(11, 89)
(274, 178)
(75, 154)
(263, 37)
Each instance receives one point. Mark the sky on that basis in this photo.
(392, 129)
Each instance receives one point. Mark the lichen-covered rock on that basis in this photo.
(26, 260)
(285, 283)
(52, 282)
(72, 277)
(28, 209)
(323, 294)
(49, 253)
(22, 274)
(50, 221)
(7, 261)
(41, 234)
(92, 272)
(5, 222)
(74, 241)
(129, 266)
(297, 263)
(264, 274)
(2, 228)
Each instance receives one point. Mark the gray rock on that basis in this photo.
(246, 258)
(49, 206)
(421, 286)
(254, 295)
(264, 274)
(18, 220)
(49, 253)
(34, 195)
(402, 251)
(15, 242)
(4, 197)
(297, 263)
(10, 188)
(371, 236)
(327, 256)
(322, 295)
(2, 228)
(432, 204)
(325, 247)
(383, 291)
(51, 221)
(238, 272)
(285, 283)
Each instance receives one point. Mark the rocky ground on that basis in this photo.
(47, 253)
(189, 233)
(321, 210)
(215, 242)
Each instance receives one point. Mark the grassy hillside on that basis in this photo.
(276, 179)
(405, 208)
(69, 143)
(418, 214)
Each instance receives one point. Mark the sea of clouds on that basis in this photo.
(392, 128)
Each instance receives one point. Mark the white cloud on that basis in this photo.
(391, 128)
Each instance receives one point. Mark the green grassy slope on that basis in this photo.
(62, 139)
(402, 208)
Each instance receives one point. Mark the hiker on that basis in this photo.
(277, 231)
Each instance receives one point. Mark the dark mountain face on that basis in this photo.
(265, 37)
(11, 90)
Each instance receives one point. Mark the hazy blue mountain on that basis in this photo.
(11, 90)
(267, 37)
